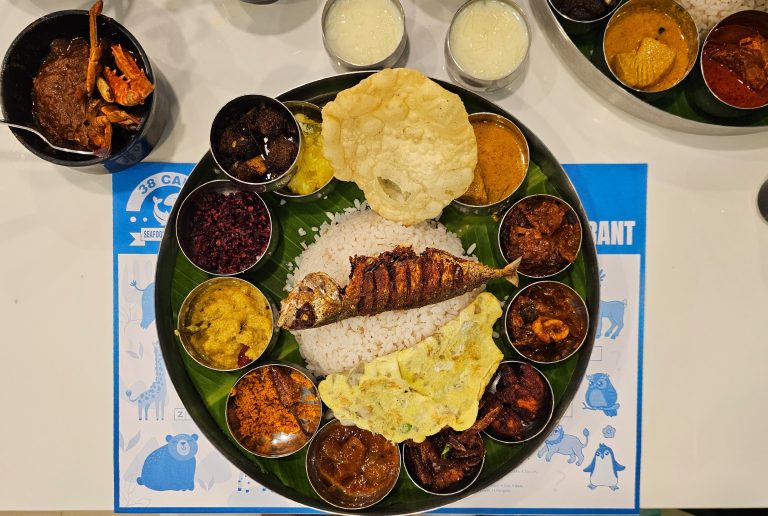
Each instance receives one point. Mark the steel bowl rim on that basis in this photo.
(488, 83)
(539, 362)
(333, 503)
(390, 60)
(551, 398)
(216, 184)
(504, 218)
(508, 124)
(299, 197)
(719, 24)
(279, 363)
(450, 493)
(691, 62)
(199, 289)
(263, 186)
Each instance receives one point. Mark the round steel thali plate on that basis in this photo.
(204, 392)
(677, 111)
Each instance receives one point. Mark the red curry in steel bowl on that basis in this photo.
(734, 60)
(546, 322)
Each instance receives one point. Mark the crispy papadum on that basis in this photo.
(404, 140)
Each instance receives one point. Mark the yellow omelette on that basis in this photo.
(414, 393)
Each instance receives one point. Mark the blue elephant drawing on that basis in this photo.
(172, 466)
(604, 469)
(614, 312)
(147, 303)
(601, 394)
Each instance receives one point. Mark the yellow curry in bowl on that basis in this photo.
(651, 45)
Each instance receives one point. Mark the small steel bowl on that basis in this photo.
(577, 303)
(499, 205)
(572, 218)
(676, 11)
(465, 483)
(466, 79)
(540, 422)
(388, 62)
(226, 187)
(574, 27)
(22, 62)
(313, 112)
(281, 444)
(238, 107)
(757, 20)
(334, 496)
(184, 313)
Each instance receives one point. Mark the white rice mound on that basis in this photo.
(707, 13)
(359, 231)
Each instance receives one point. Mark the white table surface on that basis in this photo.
(704, 388)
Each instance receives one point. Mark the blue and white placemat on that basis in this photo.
(590, 464)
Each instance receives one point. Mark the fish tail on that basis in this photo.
(509, 272)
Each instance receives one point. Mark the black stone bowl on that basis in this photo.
(22, 62)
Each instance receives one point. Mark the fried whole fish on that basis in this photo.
(395, 280)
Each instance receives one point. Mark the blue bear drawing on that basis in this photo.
(172, 466)
(604, 470)
(601, 394)
(147, 303)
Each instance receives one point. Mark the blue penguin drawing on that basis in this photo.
(603, 471)
(172, 466)
(601, 394)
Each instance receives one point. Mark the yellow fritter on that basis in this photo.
(414, 393)
(406, 142)
(646, 66)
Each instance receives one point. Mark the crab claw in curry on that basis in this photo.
(118, 116)
(131, 88)
(96, 49)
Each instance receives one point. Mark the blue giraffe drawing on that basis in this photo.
(601, 394)
(604, 469)
(172, 466)
(155, 394)
(614, 312)
(147, 303)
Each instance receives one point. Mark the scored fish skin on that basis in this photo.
(395, 280)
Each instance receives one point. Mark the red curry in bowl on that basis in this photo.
(546, 322)
(734, 60)
(545, 231)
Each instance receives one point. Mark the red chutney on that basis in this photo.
(734, 71)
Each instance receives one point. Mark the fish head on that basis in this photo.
(316, 300)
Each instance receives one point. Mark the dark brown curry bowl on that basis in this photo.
(185, 229)
(544, 343)
(458, 487)
(22, 62)
(277, 444)
(576, 27)
(334, 495)
(532, 424)
(558, 263)
(228, 131)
